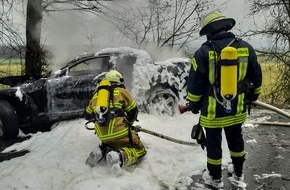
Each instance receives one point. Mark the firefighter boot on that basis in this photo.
(115, 162)
(208, 180)
(237, 179)
(97, 155)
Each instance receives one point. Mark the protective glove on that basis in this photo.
(251, 98)
(194, 107)
(89, 117)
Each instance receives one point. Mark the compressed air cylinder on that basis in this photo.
(103, 95)
(229, 72)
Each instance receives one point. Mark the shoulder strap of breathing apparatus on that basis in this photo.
(225, 71)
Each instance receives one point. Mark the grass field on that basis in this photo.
(270, 74)
(11, 67)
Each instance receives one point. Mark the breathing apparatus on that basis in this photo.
(103, 100)
(228, 75)
(105, 89)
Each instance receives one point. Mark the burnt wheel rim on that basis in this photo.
(162, 103)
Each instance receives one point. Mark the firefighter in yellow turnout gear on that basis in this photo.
(114, 111)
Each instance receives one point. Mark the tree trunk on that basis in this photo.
(33, 56)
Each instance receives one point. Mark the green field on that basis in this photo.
(11, 67)
(270, 74)
(7, 70)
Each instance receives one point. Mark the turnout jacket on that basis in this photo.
(124, 107)
(202, 77)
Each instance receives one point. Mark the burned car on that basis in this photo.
(35, 103)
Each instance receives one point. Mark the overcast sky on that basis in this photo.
(93, 31)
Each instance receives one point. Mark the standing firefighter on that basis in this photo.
(224, 78)
(114, 111)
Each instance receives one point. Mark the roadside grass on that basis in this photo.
(9, 70)
(11, 67)
(270, 74)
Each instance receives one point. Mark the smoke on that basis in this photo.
(70, 34)
(163, 53)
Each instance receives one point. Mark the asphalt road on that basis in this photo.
(268, 159)
(267, 166)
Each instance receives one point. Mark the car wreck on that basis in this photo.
(34, 103)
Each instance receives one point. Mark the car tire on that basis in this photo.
(162, 102)
(9, 127)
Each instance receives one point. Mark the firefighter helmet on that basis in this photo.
(215, 22)
(114, 76)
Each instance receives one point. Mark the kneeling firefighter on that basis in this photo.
(113, 111)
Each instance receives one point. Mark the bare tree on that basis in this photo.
(10, 39)
(275, 26)
(35, 55)
(163, 23)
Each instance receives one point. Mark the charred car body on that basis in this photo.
(34, 103)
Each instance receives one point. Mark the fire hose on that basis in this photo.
(275, 109)
(138, 128)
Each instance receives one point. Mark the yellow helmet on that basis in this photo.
(114, 76)
(214, 22)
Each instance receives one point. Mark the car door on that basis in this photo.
(68, 95)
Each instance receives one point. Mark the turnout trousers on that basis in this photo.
(133, 151)
(235, 142)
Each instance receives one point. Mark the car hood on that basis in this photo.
(18, 80)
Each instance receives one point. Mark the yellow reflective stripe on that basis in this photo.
(240, 106)
(111, 126)
(192, 97)
(141, 152)
(116, 92)
(237, 154)
(97, 129)
(111, 134)
(213, 161)
(211, 109)
(243, 52)
(95, 96)
(118, 134)
(133, 155)
(127, 152)
(222, 121)
(193, 63)
(211, 72)
(116, 105)
(243, 66)
(89, 110)
(258, 90)
(200, 133)
(132, 106)
(212, 55)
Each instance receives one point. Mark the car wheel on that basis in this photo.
(162, 102)
(9, 127)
